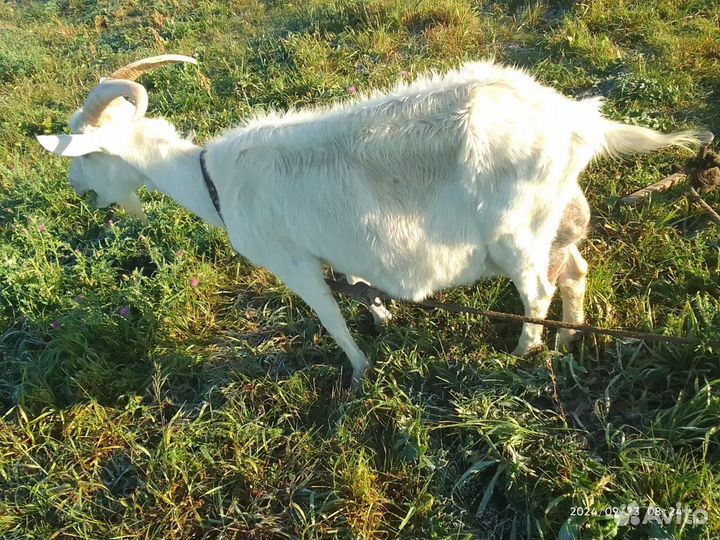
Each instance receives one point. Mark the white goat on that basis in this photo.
(437, 184)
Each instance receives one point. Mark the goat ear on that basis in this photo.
(69, 145)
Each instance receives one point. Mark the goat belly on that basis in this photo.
(417, 270)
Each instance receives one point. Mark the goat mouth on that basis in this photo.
(90, 198)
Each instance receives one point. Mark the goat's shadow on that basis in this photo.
(75, 360)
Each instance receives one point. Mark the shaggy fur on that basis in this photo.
(437, 184)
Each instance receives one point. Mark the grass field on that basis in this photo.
(155, 385)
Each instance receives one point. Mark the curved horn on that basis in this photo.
(107, 91)
(134, 70)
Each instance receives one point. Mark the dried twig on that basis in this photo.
(660, 186)
(694, 196)
(703, 172)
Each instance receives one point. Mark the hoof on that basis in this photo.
(358, 374)
(568, 340)
(381, 315)
(356, 383)
(527, 350)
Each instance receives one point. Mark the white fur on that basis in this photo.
(442, 182)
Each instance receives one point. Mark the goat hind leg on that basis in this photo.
(536, 292)
(571, 281)
(526, 264)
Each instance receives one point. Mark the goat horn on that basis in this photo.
(134, 70)
(107, 91)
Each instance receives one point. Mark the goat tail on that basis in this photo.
(622, 139)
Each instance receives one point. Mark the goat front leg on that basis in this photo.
(307, 281)
(380, 314)
(571, 281)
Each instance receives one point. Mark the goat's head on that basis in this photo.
(102, 132)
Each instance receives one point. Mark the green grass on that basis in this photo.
(217, 410)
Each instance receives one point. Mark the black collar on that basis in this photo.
(210, 185)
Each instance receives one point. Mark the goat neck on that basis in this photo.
(173, 168)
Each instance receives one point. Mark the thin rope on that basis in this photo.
(367, 294)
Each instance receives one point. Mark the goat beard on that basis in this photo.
(133, 206)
